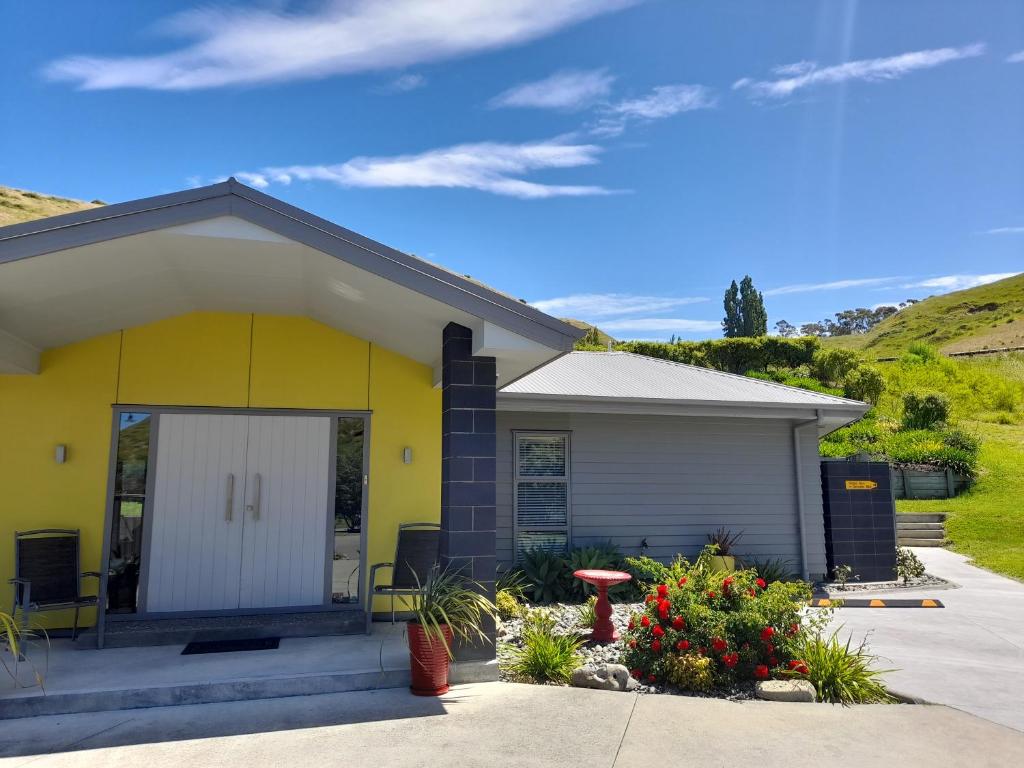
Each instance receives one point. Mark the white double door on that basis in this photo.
(239, 514)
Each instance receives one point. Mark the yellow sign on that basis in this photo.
(861, 485)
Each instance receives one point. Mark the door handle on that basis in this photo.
(257, 492)
(231, 497)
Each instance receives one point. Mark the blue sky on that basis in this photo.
(619, 161)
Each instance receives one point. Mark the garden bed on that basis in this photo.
(927, 581)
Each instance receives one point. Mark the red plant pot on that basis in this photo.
(429, 661)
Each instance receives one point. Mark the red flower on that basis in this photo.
(678, 623)
(632, 624)
(656, 646)
(711, 595)
(727, 583)
(702, 650)
(664, 606)
(645, 621)
(773, 662)
(636, 673)
(750, 591)
(649, 599)
(651, 678)
(793, 629)
(658, 631)
(761, 671)
(683, 645)
(682, 581)
(718, 644)
(730, 659)
(766, 633)
(663, 590)
(769, 648)
(761, 583)
(799, 666)
(632, 643)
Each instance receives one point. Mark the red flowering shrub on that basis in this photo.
(741, 626)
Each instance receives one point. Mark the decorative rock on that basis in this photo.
(605, 677)
(786, 690)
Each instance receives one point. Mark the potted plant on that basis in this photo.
(448, 606)
(723, 540)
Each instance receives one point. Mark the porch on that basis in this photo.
(80, 678)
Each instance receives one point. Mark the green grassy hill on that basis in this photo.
(603, 338)
(17, 205)
(986, 317)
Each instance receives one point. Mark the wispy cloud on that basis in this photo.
(663, 101)
(836, 285)
(1005, 231)
(486, 166)
(594, 306)
(805, 73)
(244, 45)
(947, 283)
(405, 83)
(568, 90)
(667, 324)
(1015, 58)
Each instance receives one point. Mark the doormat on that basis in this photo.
(229, 646)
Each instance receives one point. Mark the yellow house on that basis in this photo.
(236, 404)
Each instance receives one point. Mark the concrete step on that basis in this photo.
(921, 517)
(937, 533)
(916, 542)
(136, 632)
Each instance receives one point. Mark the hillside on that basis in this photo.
(603, 338)
(17, 205)
(986, 317)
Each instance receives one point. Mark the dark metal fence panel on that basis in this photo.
(860, 518)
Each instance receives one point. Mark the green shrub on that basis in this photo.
(740, 623)
(864, 383)
(547, 575)
(588, 612)
(831, 366)
(508, 605)
(734, 355)
(690, 672)
(919, 353)
(772, 570)
(925, 410)
(840, 673)
(602, 557)
(646, 571)
(544, 655)
(964, 441)
(908, 565)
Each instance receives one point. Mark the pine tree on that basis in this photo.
(754, 317)
(732, 323)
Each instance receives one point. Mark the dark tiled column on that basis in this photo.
(468, 467)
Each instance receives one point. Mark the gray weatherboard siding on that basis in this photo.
(673, 480)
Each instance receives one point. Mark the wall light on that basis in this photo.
(61, 454)
(407, 455)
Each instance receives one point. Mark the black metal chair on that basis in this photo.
(47, 575)
(415, 557)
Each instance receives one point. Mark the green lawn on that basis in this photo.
(987, 522)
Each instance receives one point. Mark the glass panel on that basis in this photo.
(348, 511)
(541, 504)
(129, 511)
(549, 541)
(542, 456)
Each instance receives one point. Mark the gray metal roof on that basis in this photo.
(627, 377)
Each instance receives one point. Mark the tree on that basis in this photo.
(813, 329)
(755, 318)
(785, 329)
(732, 323)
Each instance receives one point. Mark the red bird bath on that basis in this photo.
(604, 630)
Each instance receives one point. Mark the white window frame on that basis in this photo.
(517, 436)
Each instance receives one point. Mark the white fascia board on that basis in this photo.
(490, 340)
(548, 404)
(17, 356)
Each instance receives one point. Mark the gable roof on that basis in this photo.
(628, 379)
(232, 198)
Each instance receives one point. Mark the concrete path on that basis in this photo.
(968, 655)
(491, 724)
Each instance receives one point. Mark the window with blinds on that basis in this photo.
(541, 491)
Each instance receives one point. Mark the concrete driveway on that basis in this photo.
(968, 655)
(501, 724)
